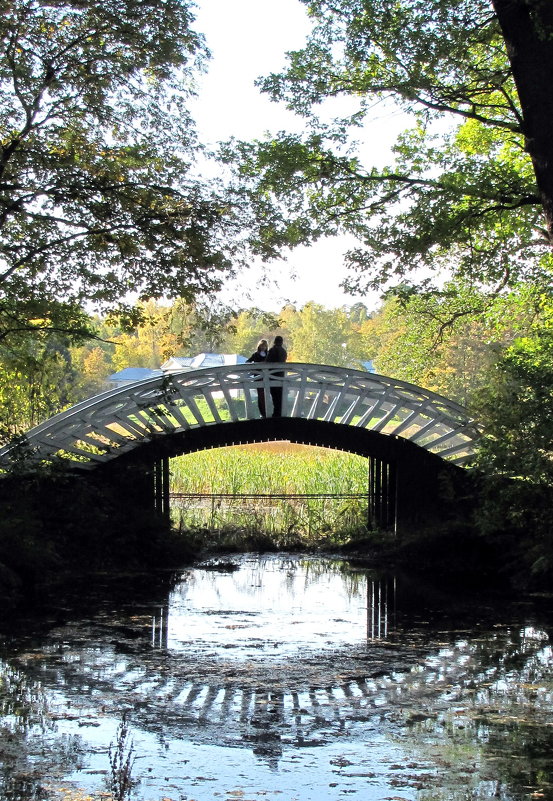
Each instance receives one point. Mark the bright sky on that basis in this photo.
(248, 39)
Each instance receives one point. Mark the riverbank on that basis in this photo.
(54, 530)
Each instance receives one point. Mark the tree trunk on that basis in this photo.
(527, 27)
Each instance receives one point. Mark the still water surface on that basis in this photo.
(280, 677)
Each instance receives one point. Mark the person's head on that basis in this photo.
(262, 345)
(278, 340)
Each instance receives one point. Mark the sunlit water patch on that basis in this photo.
(282, 677)
(268, 608)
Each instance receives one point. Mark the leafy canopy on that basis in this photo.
(516, 454)
(98, 196)
(461, 189)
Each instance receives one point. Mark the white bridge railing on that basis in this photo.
(105, 426)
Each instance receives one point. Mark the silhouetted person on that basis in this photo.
(260, 355)
(277, 353)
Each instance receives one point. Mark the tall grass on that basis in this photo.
(276, 468)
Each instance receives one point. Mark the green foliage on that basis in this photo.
(517, 452)
(466, 198)
(320, 335)
(96, 193)
(447, 341)
(249, 326)
(39, 375)
(273, 469)
(37, 378)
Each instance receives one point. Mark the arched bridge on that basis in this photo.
(371, 414)
(113, 423)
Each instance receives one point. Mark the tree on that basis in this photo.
(95, 370)
(213, 323)
(527, 28)
(249, 327)
(97, 192)
(471, 198)
(320, 335)
(36, 381)
(152, 341)
(517, 453)
(449, 341)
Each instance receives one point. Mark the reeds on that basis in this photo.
(121, 761)
(271, 469)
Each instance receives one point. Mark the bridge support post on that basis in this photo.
(161, 488)
(382, 511)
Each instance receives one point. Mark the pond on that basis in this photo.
(285, 677)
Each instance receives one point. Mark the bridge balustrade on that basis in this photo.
(113, 423)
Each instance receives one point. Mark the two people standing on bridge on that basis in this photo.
(276, 353)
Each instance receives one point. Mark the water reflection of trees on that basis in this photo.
(23, 703)
(28, 737)
(35, 688)
(249, 579)
(498, 717)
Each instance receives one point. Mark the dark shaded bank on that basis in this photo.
(56, 526)
(60, 525)
(456, 557)
(463, 556)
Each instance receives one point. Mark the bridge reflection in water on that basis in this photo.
(265, 713)
(422, 681)
(381, 606)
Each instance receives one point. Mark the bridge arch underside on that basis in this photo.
(407, 485)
